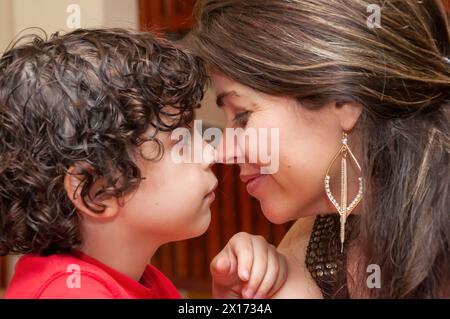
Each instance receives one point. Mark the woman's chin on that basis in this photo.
(277, 215)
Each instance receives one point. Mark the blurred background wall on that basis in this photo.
(52, 15)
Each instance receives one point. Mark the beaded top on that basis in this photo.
(324, 259)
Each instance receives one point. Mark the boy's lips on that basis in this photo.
(211, 194)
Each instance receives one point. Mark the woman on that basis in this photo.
(360, 95)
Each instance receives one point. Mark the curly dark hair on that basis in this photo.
(84, 97)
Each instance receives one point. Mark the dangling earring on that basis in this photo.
(343, 209)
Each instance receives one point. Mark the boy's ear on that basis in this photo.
(73, 185)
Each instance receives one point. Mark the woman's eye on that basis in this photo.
(241, 119)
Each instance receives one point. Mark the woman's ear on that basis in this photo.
(348, 113)
(73, 182)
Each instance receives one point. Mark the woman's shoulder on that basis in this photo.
(299, 283)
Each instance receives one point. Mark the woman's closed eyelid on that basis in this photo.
(241, 118)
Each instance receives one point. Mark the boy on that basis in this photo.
(88, 189)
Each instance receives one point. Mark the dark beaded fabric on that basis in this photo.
(324, 259)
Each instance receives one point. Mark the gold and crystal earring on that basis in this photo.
(343, 208)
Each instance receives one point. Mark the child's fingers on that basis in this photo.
(226, 283)
(271, 274)
(223, 268)
(243, 250)
(259, 266)
(233, 261)
(220, 265)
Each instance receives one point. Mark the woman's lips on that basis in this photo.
(252, 181)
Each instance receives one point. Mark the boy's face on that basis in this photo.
(173, 200)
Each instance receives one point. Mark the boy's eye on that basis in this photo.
(241, 119)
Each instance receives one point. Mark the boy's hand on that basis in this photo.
(248, 267)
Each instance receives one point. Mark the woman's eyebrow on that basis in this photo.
(222, 96)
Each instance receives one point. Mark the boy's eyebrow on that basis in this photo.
(221, 96)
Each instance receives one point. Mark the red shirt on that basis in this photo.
(75, 275)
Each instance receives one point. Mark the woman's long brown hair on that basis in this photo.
(322, 50)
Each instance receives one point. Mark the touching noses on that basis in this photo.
(229, 152)
(210, 155)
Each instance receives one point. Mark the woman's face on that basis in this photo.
(307, 143)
